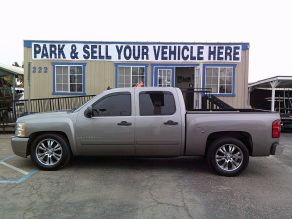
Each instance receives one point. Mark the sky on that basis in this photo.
(266, 25)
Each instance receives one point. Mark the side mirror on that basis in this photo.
(88, 112)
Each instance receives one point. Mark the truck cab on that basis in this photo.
(141, 122)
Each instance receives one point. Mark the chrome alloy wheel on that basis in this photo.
(49, 152)
(229, 157)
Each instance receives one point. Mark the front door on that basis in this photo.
(158, 124)
(110, 131)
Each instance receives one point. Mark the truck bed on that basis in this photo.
(257, 124)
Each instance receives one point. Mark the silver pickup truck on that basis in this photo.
(147, 121)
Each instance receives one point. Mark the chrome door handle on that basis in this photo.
(124, 123)
(170, 122)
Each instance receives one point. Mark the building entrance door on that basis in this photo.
(184, 79)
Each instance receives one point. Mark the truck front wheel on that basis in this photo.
(50, 151)
(228, 156)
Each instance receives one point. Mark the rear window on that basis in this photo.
(154, 103)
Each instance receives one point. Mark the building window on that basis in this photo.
(129, 76)
(69, 79)
(220, 79)
(164, 77)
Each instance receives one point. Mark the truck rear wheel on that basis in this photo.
(228, 156)
(50, 151)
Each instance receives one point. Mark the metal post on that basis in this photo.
(274, 84)
(273, 99)
(29, 86)
(13, 97)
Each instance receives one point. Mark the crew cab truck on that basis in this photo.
(151, 122)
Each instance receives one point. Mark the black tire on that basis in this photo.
(65, 154)
(229, 158)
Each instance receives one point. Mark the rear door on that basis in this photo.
(158, 124)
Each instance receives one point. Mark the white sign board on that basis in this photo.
(137, 52)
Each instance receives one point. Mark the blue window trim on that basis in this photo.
(54, 64)
(28, 43)
(155, 68)
(117, 65)
(232, 94)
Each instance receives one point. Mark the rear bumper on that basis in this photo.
(19, 146)
(276, 149)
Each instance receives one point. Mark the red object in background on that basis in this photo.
(141, 84)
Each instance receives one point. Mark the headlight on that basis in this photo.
(20, 130)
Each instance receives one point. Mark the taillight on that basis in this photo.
(276, 129)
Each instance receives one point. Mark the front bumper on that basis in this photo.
(276, 149)
(19, 146)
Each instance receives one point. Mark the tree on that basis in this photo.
(19, 78)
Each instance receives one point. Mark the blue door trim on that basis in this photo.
(155, 75)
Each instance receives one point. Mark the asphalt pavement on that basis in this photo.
(93, 187)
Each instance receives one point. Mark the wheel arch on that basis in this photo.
(244, 137)
(33, 136)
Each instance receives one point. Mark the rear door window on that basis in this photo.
(155, 103)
